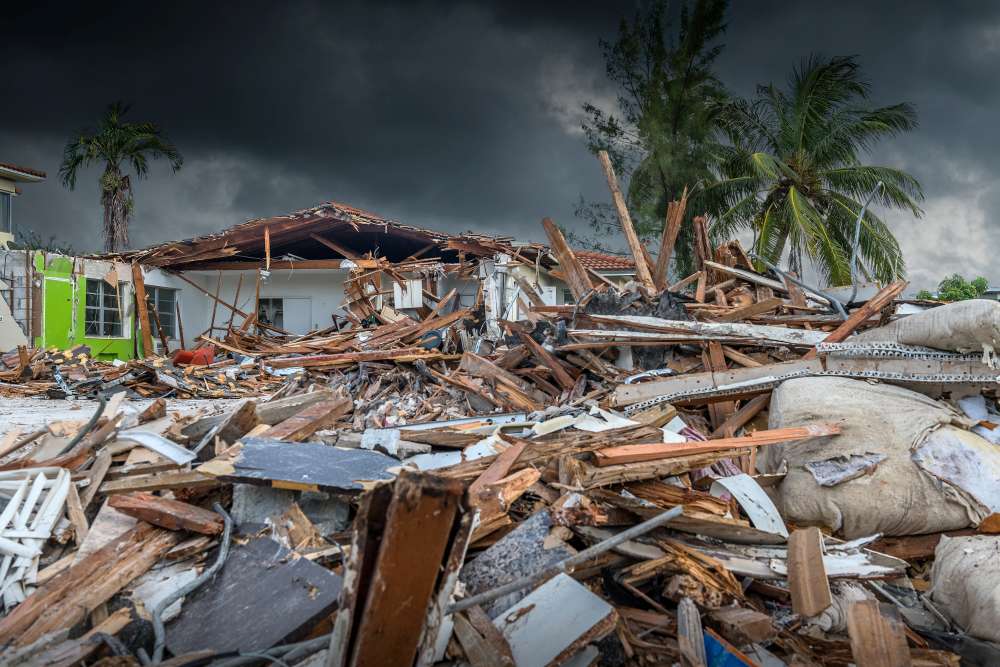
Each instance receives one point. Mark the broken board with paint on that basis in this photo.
(303, 466)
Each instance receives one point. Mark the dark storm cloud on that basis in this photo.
(454, 115)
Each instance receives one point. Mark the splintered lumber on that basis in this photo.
(168, 513)
(671, 228)
(141, 307)
(861, 315)
(309, 420)
(576, 276)
(876, 641)
(635, 245)
(275, 596)
(746, 312)
(70, 596)
(419, 525)
(550, 362)
(655, 451)
(741, 417)
(270, 413)
(807, 580)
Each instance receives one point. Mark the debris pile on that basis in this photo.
(724, 470)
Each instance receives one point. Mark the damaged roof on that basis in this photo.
(322, 236)
(309, 234)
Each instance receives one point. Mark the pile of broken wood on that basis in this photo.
(583, 490)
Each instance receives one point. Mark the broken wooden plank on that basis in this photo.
(576, 276)
(746, 312)
(311, 419)
(671, 228)
(654, 451)
(67, 598)
(168, 513)
(807, 580)
(642, 270)
(859, 316)
(876, 641)
(550, 362)
(419, 524)
(159, 482)
(139, 285)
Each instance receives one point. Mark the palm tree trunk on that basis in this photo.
(116, 199)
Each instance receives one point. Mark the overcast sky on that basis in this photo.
(455, 116)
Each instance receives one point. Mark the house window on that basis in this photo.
(6, 219)
(568, 297)
(163, 301)
(271, 311)
(102, 316)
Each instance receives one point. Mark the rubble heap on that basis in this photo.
(722, 470)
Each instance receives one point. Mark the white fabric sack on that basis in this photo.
(966, 583)
(885, 426)
(965, 326)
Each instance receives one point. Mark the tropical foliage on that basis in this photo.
(794, 175)
(117, 145)
(661, 138)
(957, 288)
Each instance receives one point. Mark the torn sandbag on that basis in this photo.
(966, 327)
(897, 496)
(965, 581)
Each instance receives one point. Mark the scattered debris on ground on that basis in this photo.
(724, 471)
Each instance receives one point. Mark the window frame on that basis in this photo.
(104, 291)
(153, 293)
(7, 225)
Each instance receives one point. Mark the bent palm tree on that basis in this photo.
(117, 143)
(793, 175)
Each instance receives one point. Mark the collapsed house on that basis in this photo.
(289, 275)
(720, 471)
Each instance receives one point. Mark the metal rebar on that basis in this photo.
(567, 563)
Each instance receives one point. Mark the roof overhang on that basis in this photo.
(20, 174)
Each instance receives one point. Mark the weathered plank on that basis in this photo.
(876, 641)
(168, 513)
(807, 579)
(309, 420)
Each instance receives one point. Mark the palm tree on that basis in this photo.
(793, 173)
(117, 143)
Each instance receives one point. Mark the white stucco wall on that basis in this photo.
(324, 289)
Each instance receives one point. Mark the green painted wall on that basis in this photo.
(64, 312)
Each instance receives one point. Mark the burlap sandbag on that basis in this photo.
(964, 577)
(880, 423)
(965, 326)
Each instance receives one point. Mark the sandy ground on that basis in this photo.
(30, 414)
